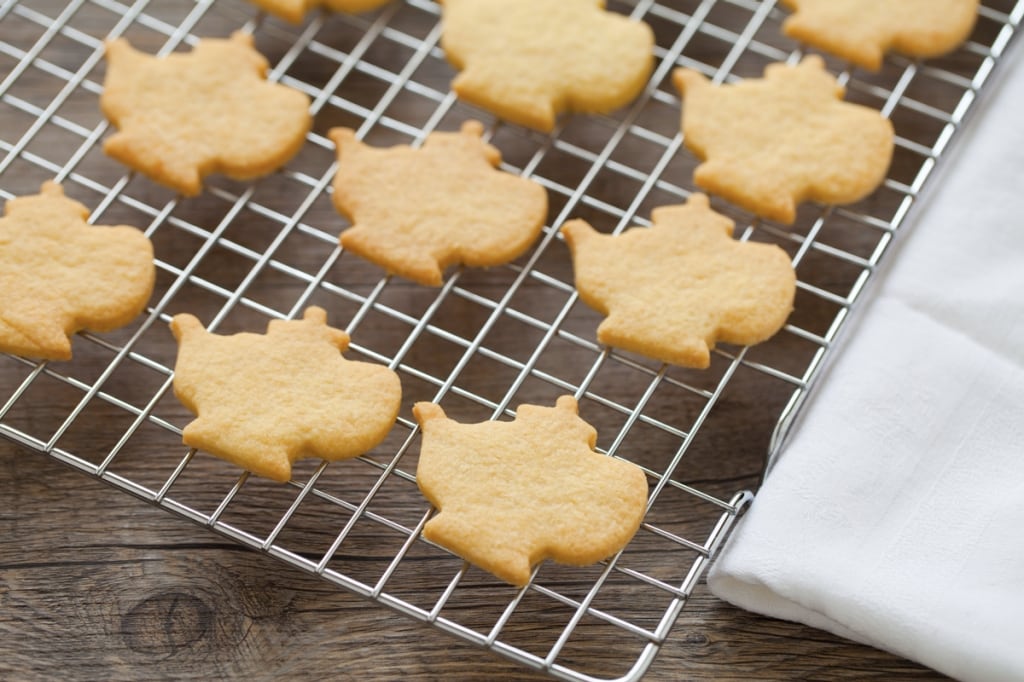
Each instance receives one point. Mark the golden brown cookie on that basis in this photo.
(529, 60)
(295, 10)
(672, 290)
(414, 212)
(511, 494)
(265, 400)
(187, 115)
(60, 275)
(862, 31)
(769, 144)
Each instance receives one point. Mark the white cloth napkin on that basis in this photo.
(895, 514)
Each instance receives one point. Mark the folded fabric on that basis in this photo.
(894, 515)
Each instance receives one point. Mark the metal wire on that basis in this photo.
(246, 253)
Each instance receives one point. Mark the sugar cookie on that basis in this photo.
(672, 290)
(187, 115)
(417, 211)
(862, 31)
(265, 400)
(511, 494)
(528, 60)
(60, 275)
(295, 10)
(769, 144)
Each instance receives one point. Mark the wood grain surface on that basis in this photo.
(98, 585)
(95, 584)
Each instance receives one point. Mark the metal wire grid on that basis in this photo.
(485, 341)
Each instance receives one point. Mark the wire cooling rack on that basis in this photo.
(486, 341)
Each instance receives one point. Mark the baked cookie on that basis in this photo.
(265, 400)
(671, 291)
(862, 31)
(187, 115)
(295, 10)
(414, 212)
(528, 60)
(769, 144)
(511, 494)
(60, 275)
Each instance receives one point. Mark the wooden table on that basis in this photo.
(95, 584)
